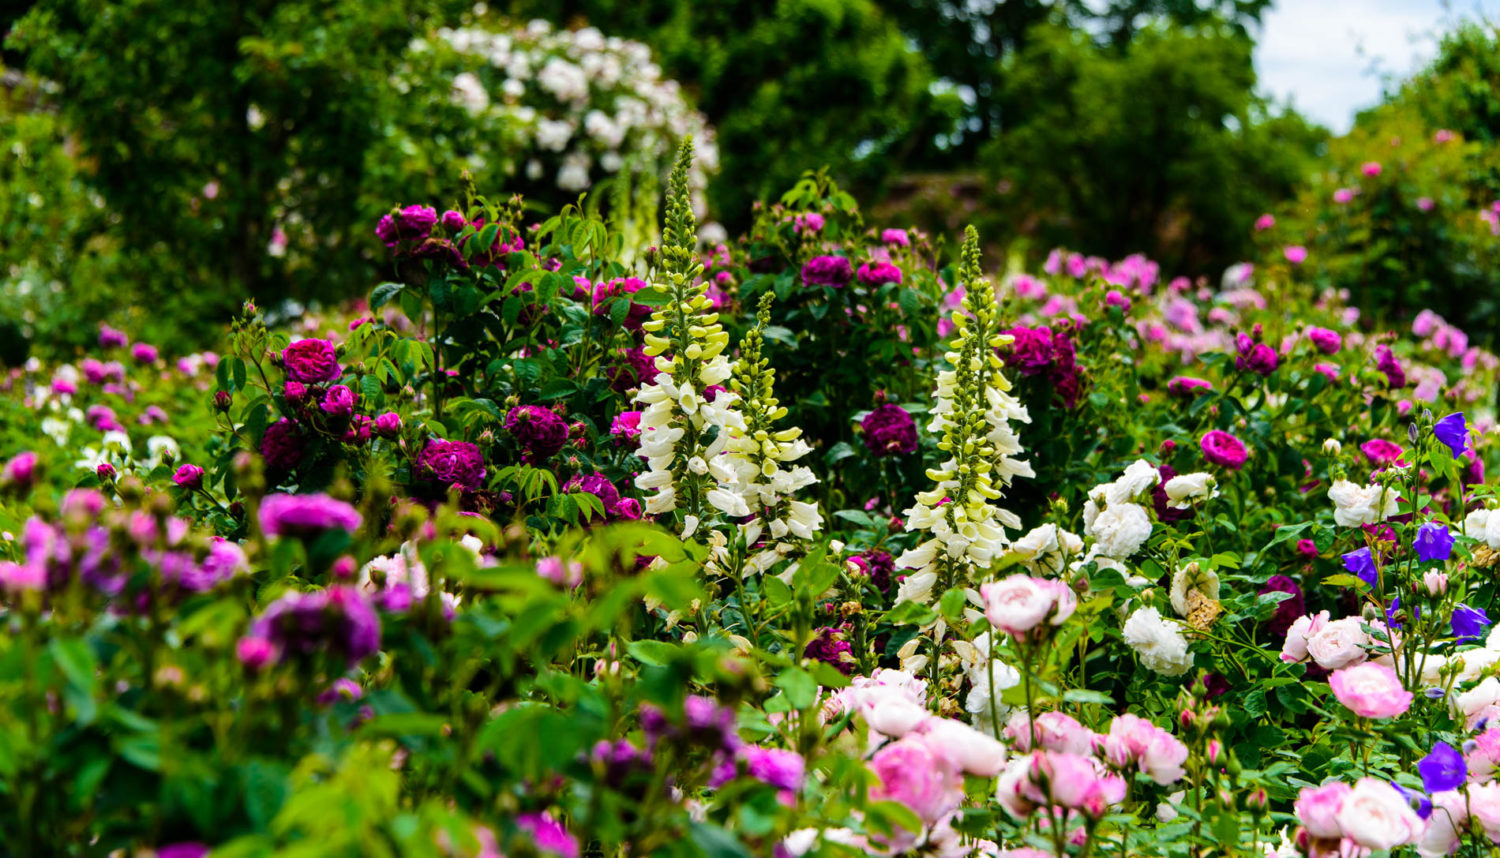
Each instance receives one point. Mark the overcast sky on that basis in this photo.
(1328, 56)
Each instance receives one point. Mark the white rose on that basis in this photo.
(1485, 525)
(1376, 816)
(1158, 642)
(1338, 644)
(1184, 490)
(1193, 576)
(1485, 694)
(1120, 530)
(1139, 478)
(1355, 505)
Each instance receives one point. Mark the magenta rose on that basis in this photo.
(1326, 341)
(890, 429)
(282, 445)
(311, 361)
(834, 271)
(338, 401)
(538, 431)
(1222, 448)
(189, 477)
(453, 463)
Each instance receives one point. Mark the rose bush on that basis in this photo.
(547, 549)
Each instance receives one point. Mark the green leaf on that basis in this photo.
(404, 724)
(715, 842)
(382, 294)
(800, 687)
(75, 660)
(910, 613)
(1085, 695)
(654, 653)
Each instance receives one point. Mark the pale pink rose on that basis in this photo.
(1072, 781)
(1017, 604)
(889, 710)
(1134, 741)
(1483, 756)
(1450, 815)
(1024, 852)
(1484, 805)
(1376, 816)
(1318, 807)
(1054, 732)
(1295, 647)
(1064, 600)
(1011, 789)
(1435, 582)
(1338, 644)
(1476, 703)
(914, 771)
(1370, 690)
(968, 749)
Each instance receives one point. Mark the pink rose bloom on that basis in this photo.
(897, 237)
(1073, 782)
(967, 749)
(1343, 195)
(1435, 582)
(1443, 135)
(1294, 253)
(915, 772)
(1307, 548)
(1184, 385)
(1317, 809)
(1338, 644)
(1370, 690)
(626, 426)
(560, 572)
(1370, 168)
(1264, 222)
(1326, 341)
(1483, 757)
(1054, 732)
(1376, 816)
(1450, 815)
(1134, 741)
(1484, 805)
(1425, 203)
(1327, 370)
(1018, 604)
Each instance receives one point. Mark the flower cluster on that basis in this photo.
(972, 413)
(687, 417)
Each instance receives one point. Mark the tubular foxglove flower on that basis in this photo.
(684, 431)
(761, 458)
(972, 413)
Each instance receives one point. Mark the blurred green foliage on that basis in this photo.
(790, 85)
(1162, 148)
(207, 127)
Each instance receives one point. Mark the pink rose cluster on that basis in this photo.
(922, 758)
(1070, 769)
(1338, 819)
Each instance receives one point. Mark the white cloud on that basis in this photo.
(1328, 56)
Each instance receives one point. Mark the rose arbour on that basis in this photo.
(820, 541)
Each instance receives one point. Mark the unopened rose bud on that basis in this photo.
(222, 400)
(1435, 581)
(1332, 447)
